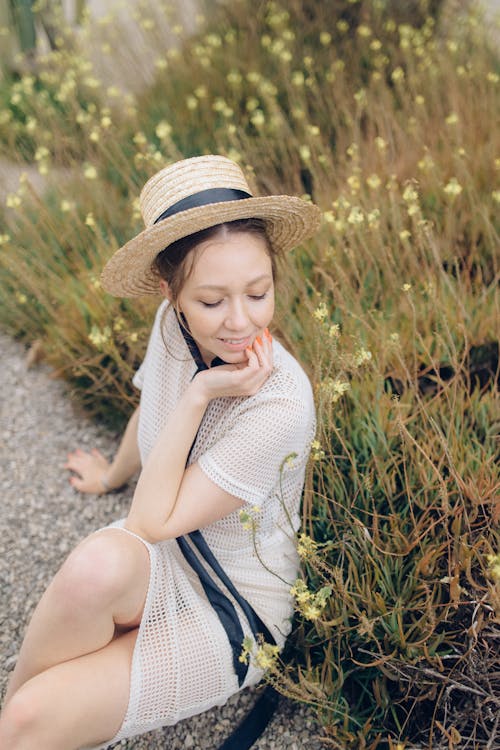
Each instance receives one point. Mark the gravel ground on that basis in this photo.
(42, 518)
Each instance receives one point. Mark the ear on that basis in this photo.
(165, 290)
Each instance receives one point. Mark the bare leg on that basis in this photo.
(99, 591)
(79, 703)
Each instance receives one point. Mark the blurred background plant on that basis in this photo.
(384, 114)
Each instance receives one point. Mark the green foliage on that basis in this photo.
(385, 122)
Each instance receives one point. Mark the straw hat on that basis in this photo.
(192, 195)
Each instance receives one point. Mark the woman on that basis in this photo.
(144, 623)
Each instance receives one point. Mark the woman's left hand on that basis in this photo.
(243, 379)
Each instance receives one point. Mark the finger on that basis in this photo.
(265, 351)
(253, 360)
(258, 348)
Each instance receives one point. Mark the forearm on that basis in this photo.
(127, 460)
(158, 486)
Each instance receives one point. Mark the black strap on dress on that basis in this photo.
(261, 713)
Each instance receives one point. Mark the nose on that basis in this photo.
(237, 316)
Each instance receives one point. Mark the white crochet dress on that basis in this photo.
(183, 662)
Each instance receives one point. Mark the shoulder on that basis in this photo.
(288, 379)
(287, 391)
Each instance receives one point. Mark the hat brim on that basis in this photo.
(289, 221)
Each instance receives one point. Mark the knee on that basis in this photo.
(98, 569)
(21, 720)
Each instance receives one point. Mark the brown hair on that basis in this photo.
(172, 266)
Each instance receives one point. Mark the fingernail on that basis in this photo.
(259, 340)
(267, 334)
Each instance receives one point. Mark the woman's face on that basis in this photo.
(228, 297)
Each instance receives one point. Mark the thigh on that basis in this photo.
(79, 703)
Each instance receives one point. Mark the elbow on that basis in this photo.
(149, 532)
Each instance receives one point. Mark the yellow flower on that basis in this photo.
(306, 546)
(397, 74)
(4, 238)
(67, 206)
(89, 172)
(356, 216)
(394, 338)
(13, 201)
(246, 649)
(410, 194)
(404, 235)
(258, 118)
(325, 38)
(266, 656)
(335, 388)
(362, 356)
(419, 99)
(453, 188)
(492, 77)
(496, 196)
(21, 298)
(364, 30)
(191, 102)
(406, 287)
(41, 153)
(342, 26)
(426, 163)
(494, 566)
(321, 312)
(133, 337)
(334, 331)
(305, 153)
(452, 119)
(380, 143)
(300, 592)
(373, 218)
(234, 77)
(360, 96)
(352, 151)
(373, 181)
(163, 129)
(98, 337)
(106, 121)
(89, 220)
(354, 183)
(311, 611)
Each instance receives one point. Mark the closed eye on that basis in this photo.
(211, 304)
(258, 296)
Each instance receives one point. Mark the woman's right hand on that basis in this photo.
(89, 469)
(243, 379)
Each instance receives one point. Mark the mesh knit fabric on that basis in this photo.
(182, 663)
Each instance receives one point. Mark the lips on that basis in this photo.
(236, 344)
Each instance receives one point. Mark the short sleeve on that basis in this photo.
(247, 459)
(138, 378)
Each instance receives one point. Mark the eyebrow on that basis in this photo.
(223, 288)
